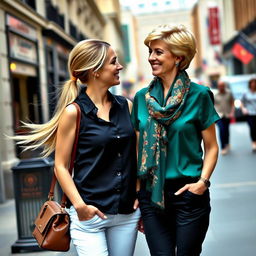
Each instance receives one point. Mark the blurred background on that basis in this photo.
(36, 37)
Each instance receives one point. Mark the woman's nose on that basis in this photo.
(151, 56)
(119, 67)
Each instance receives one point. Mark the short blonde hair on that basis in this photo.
(180, 40)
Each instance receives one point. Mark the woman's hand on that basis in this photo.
(87, 212)
(136, 204)
(141, 226)
(244, 111)
(197, 188)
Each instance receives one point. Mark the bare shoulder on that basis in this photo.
(70, 111)
(69, 115)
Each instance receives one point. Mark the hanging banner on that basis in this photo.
(243, 49)
(214, 26)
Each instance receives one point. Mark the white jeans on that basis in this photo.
(114, 236)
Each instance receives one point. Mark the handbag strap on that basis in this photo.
(73, 156)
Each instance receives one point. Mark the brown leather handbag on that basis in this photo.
(52, 223)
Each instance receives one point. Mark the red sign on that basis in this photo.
(21, 27)
(214, 26)
(241, 53)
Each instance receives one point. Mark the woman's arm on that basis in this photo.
(140, 224)
(129, 105)
(232, 112)
(137, 149)
(243, 108)
(243, 105)
(64, 144)
(211, 150)
(136, 203)
(137, 143)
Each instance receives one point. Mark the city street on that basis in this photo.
(232, 229)
(233, 220)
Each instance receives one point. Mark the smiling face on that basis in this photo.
(109, 73)
(162, 61)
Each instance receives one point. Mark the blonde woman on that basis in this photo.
(172, 117)
(102, 193)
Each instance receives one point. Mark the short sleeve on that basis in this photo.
(208, 114)
(134, 115)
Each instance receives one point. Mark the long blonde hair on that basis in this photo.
(87, 55)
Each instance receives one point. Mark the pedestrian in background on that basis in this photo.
(248, 107)
(102, 193)
(172, 117)
(224, 104)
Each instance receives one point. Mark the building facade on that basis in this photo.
(112, 32)
(217, 25)
(242, 14)
(36, 37)
(207, 20)
(145, 23)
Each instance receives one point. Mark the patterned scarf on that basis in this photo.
(155, 138)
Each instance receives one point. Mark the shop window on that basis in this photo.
(25, 101)
(26, 107)
(50, 60)
(62, 65)
(50, 79)
(238, 67)
(52, 92)
(30, 3)
(53, 14)
(72, 30)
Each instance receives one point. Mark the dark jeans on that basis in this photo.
(181, 227)
(223, 125)
(252, 124)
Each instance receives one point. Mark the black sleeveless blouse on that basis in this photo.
(105, 168)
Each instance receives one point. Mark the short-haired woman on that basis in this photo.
(172, 117)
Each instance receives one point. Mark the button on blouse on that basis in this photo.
(105, 167)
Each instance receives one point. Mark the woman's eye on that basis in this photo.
(158, 52)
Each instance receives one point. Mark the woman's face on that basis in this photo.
(109, 73)
(253, 85)
(162, 61)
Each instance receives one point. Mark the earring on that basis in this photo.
(96, 75)
(177, 64)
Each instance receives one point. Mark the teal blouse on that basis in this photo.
(184, 153)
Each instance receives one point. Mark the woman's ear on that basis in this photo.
(179, 58)
(93, 74)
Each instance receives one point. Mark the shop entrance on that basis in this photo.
(25, 100)
(26, 106)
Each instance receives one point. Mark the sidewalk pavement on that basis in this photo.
(8, 236)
